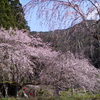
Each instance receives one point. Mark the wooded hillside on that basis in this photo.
(78, 39)
(12, 15)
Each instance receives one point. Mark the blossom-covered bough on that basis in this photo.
(64, 13)
(15, 55)
(20, 56)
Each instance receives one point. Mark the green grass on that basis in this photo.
(76, 97)
(64, 95)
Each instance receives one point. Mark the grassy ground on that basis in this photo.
(63, 96)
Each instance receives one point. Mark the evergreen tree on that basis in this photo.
(12, 15)
(18, 13)
(6, 17)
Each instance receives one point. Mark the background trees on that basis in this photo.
(6, 16)
(11, 15)
(17, 10)
(77, 40)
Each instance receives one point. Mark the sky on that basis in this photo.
(34, 23)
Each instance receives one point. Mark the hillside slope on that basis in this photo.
(79, 40)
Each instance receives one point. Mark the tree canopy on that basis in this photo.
(6, 16)
(11, 15)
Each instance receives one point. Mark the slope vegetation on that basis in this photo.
(81, 40)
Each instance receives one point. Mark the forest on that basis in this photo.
(61, 64)
(12, 15)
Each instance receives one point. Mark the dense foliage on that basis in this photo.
(6, 16)
(17, 10)
(12, 15)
